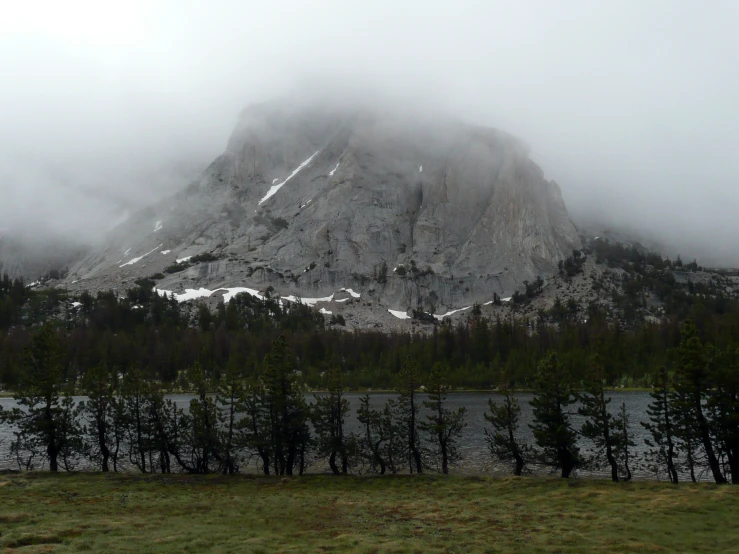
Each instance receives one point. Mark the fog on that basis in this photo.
(631, 107)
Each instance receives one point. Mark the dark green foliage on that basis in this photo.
(372, 437)
(406, 413)
(203, 258)
(337, 319)
(99, 412)
(661, 426)
(599, 425)
(534, 289)
(47, 423)
(279, 222)
(150, 423)
(278, 414)
(572, 265)
(13, 295)
(442, 425)
(231, 403)
(692, 388)
(176, 267)
(501, 440)
(328, 415)
(724, 404)
(420, 315)
(552, 428)
(624, 442)
(198, 448)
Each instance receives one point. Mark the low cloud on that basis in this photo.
(630, 107)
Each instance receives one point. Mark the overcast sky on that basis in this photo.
(632, 107)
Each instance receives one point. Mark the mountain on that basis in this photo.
(410, 211)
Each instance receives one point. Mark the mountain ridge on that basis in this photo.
(311, 200)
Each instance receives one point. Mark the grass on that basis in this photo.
(41, 512)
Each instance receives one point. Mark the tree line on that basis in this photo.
(160, 337)
(126, 422)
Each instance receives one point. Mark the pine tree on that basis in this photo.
(47, 422)
(552, 429)
(257, 425)
(502, 441)
(661, 426)
(198, 450)
(151, 423)
(395, 431)
(98, 411)
(231, 401)
(407, 412)
(442, 425)
(599, 425)
(623, 441)
(328, 415)
(287, 410)
(692, 390)
(372, 436)
(725, 403)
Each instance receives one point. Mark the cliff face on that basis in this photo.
(310, 200)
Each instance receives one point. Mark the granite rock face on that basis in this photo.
(410, 211)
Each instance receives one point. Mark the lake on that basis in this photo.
(476, 457)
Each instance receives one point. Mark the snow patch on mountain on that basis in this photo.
(136, 260)
(274, 188)
(440, 317)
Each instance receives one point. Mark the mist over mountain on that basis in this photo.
(629, 107)
(415, 210)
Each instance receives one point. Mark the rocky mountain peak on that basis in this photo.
(415, 212)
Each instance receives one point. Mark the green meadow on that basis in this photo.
(42, 512)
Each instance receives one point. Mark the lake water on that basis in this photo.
(476, 457)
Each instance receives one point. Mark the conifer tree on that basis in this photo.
(725, 403)
(151, 423)
(231, 401)
(395, 432)
(328, 415)
(47, 423)
(599, 425)
(287, 410)
(407, 410)
(443, 426)
(258, 425)
(661, 426)
(624, 442)
(197, 450)
(692, 390)
(552, 428)
(502, 441)
(98, 412)
(372, 435)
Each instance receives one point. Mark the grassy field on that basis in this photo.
(41, 512)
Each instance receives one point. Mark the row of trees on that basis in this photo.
(157, 337)
(126, 421)
(693, 419)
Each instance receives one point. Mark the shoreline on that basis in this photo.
(9, 394)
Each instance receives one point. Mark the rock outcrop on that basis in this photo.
(412, 212)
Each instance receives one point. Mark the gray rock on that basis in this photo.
(462, 209)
